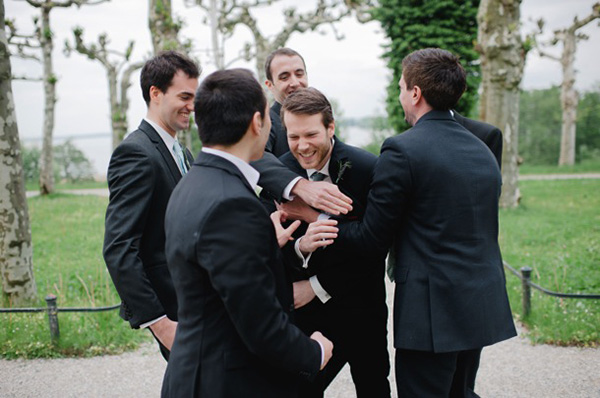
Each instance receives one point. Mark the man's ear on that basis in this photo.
(269, 84)
(256, 123)
(331, 130)
(154, 92)
(416, 95)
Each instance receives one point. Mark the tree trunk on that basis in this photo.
(568, 101)
(46, 168)
(217, 48)
(16, 253)
(502, 63)
(163, 28)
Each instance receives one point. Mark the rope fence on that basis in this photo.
(527, 284)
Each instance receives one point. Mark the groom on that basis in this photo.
(234, 337)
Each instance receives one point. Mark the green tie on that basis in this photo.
(180, 157)
(318, 176)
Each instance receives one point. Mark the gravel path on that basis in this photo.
(511, 369)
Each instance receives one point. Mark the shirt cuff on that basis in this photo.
(150, 323)
(287, 192)
(318, 289)
(300, 255)
(322, 353)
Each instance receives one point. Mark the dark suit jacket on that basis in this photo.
(435, 193)
(234, 337)
(490, 135)
(339, 272)
(274, 176)
(141, 176)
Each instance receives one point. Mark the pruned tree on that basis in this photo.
(42, 39)
(119, 69)
(411, 25)
(503, 55)
(164, 30)
(226, 15)
(569, 97)
(16, 252)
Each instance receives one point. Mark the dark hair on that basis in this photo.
(308, 101)
(225, 104)
(160, 69)
(281, 51)
(439, 75)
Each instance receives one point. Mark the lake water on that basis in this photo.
(98, 147)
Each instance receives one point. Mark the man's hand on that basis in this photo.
(318, 234)
(327, 347)
(303, 293)
(284, 235)
(297, 209)
(164, 330)
(323, 195)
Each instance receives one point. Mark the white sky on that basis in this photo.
(350, 71)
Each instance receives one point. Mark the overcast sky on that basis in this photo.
(350, 71)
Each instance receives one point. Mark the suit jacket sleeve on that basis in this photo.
(494, 142)
(388, 194)
(131, 180)
(274, 175)
(236, 245)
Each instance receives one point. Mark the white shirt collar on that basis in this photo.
(325, 169)
(249, 173)
(167, 138)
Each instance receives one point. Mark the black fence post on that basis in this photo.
(53, 317)
(526, 274)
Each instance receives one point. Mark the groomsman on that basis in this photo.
(341, 293)
(142, 173)
(234, 337)
(435, 194)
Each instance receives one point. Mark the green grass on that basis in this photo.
(67, 233)
(34, 186)
(556, 231)
(586, 166)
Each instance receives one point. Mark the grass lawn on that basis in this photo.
(34, 186)
(587, 166)
(556, 231)
(67, 233)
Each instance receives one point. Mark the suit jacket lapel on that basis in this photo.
(162, 149)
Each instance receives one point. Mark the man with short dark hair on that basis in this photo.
(340, 293)
(234, 337)
(435, 195)
(142, 173)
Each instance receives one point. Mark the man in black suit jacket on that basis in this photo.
(285, 70)
(234, 337)
(142, 173)
(340, 293)
(435, 194)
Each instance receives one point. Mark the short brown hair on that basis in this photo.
(439, 75)
(308, 101)
(280, 51)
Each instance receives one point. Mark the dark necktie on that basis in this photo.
(318, 176)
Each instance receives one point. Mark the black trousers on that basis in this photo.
(359, 337)
(421, 374)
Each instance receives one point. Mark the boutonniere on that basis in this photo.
(343, 167)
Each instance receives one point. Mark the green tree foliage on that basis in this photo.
(70, 164)
(415, 24)
(540, 126)
(587, 143)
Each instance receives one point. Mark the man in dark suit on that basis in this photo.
(435, 194)
(285, 70)
(142, 173)
(234, 337)
(340, 293)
